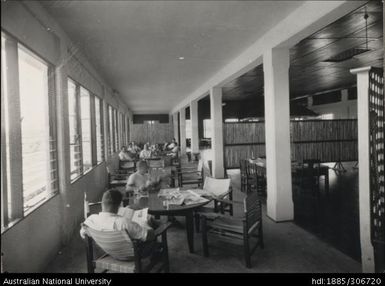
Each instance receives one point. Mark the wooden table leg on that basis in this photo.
(190, 231)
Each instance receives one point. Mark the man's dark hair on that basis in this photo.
(111, 200)
(141, 163)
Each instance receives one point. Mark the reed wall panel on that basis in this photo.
(153, 133)
(326, 140)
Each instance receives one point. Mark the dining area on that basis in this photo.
(203, 234)
(194, 137)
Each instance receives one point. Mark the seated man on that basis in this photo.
(140, 182)
(172, 145)
(134, 148)
(146, 152)
(124, 155)
(109, 219)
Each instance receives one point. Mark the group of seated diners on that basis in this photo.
(133, 152)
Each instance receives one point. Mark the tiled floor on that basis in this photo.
(288, 248)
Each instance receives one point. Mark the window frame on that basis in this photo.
(93, 141)
(13, 202)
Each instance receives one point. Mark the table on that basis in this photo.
(155, 207)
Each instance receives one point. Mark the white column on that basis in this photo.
(194, 126)
(217, 132)
(182, 119)
(175, 125)
(367, 253)
(277, 128)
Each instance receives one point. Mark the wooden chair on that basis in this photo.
(117, 178)
(243, 174)
(155, 164)
(238, 230)
(127, 165)
(310, 174)
(191, 175)
(220, 189)
(121, 254)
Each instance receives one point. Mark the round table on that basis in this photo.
(156, 207)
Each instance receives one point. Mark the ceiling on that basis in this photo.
(309, 72)
(136, 45)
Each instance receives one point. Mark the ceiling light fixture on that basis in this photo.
(181, 58)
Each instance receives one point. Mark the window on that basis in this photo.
(99, 130)
(35, 128)
(111, 130)
(28, 152)
(327, 116)
(75, 154)
(188, 129)
(124, 136)
(85, 115)
(80, 126)
(116, 130)
(207, 128)
(232, 120)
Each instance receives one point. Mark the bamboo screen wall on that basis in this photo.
(153, 133)
(326, 140)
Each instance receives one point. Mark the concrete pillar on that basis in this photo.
(194, 126)
(217, 132)
(175, 125)
(182, 119)
(277, 125)
(367, 253)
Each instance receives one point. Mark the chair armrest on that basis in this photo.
(161, 229)
(213, 216)
(227, 201)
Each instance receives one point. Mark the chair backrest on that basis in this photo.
(251, 169)
(243, 166)
(218, 187)
(253, 209)
(155, 163)
(126, 164)
(117, 244)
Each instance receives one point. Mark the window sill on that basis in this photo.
(28, 212)
(86, 172)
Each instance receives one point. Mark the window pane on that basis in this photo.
(5, 169)
(111, 130)
(33, 81)
(75, 159)
(85, 112)
(116, 130)
(188, 128)
(207, 128)
(99, 136)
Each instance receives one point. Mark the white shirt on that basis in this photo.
(105, 221)
(137, 180)
(124, 156)
(145, 154)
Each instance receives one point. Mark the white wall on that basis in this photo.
(33, 242)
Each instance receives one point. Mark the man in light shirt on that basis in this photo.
(140, 181)
(124, 155)
(113, 217)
